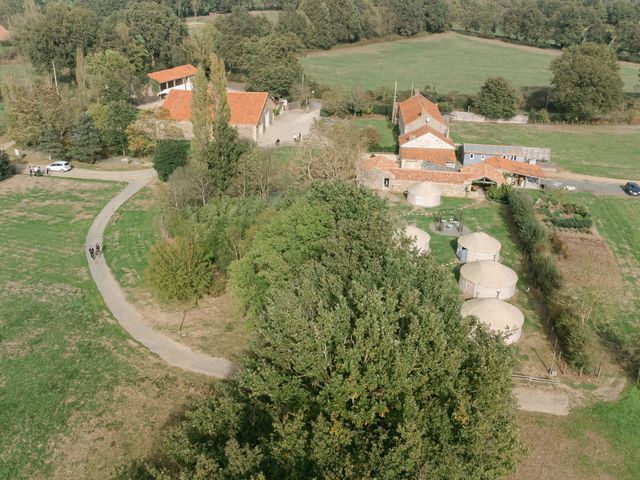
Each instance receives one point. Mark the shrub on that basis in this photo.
(499, 194)
(546, 273)
(497, 98)
(169, 155)
(6, 168)
(573, 334)
(530, 231)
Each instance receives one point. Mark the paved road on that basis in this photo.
(289, 124)
(125, 313)
(589, 186)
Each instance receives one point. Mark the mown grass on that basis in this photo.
(382, 126)
(448, 62)
(591, 150)
(57, 349)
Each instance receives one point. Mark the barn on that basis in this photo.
(487, 279)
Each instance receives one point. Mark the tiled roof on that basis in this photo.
(482, 170)
(174, 73)
(246, 107)
(416, 106)
(4, 34)
(379, 161)
(519, 168)
(425, 129)
(434, 155)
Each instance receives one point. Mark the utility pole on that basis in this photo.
(302, 91)
(55, 77)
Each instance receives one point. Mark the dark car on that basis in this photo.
(632, 188)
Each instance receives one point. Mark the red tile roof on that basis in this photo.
(416, 106)
(482, 170)
(438, 156)
(246, 107)
(519, 168)
(425, 129)
(4, 34)
(163, 76)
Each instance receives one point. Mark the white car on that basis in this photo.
(59, 166)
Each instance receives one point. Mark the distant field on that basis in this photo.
(603, 151)
(449, 62)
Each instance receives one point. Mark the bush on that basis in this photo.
(530, 231)
(499, 194)
(497, 98)
(169, 155)
(546, 273)
(573, 334)
(6, 168)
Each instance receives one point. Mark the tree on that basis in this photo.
(360, 366)
(437, 16)
(257, 174)
(111, 121)
(497, 98)
(201, 118)
(409, 16)
(85, 141)
(276, 79)
(294, 21)
(139, 144)
(169, 155)
(110, 76)
(6, 169)
(587, 81)
(179, 271)
(628, 38)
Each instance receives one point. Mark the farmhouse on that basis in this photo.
(427, 148)
(251, 112)
(476, 153)
(418, 111)
(520, 174)
(385, 173)
(173, 78)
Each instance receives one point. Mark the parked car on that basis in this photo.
(59, 166)
(632, 188)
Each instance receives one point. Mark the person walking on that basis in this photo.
(91, 253)
(277, 143)
(48, 170)
(30, 171)
(97, 249)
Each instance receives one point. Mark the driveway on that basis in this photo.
(290, 123)
(587, 186)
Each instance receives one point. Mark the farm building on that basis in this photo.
(487, 279)
(424, 194)
(251, 112)
(475, 153)
(519, 174)
(418, 111)
(176, 78)
(384, 173)
(478, 246)
(499, 316)
(428, 149)
(420, 238)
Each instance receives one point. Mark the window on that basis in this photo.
(471, 156)
(386, 183)
(481, 157)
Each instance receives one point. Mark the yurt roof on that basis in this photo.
(421, 236)
(489, 274)
(479, 242)
(424, 189)
(497, 314)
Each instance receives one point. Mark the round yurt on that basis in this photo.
(499, 316)
(478, 246)
(424, 194)
(487, 279)
(420, 238)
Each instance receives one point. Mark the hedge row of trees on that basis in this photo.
(572, 328)
(360, 365)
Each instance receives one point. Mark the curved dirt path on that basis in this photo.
(125, 313)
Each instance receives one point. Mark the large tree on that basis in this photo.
(85, 141)
(110, 76)
(360, 365)
(587, 81)
(497, 98)
(201, 118)
(6, 168)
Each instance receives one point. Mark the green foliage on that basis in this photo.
(531, 232)
(587, 81)
(201, 118)
(276, 79)
(111, 121)
(6, 168)
(575, 335)
(497, 98)
(180, 270)
(169, 155)
(110, 76)
(499, 193)
(337, 21)
(139, 144)
(546, 273)
(85, 142)
(341, 102)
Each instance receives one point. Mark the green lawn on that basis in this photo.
(382, 126)
(129, 236)
(591, 150)
(57, 351)
(448, 62)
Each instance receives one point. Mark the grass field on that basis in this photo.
(448, 62)
(591, 150)
(387, 140)
(76, 397)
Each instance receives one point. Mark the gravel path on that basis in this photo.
(128, 317)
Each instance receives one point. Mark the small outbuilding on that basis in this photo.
(499, 316)
(478, 246)
(420, 238)
(424, 194)
(487, 279)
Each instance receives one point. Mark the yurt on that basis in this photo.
(499, 316)
(420, 238)
(478, 246)
(424, 194)
(487, 279)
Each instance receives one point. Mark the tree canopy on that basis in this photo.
(497, 98)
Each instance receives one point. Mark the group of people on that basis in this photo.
(94, 252)
(36, 170)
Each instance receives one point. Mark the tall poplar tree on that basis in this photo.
(201, 118)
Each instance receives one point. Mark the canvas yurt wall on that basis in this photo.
(499, 316)
(487, 279)
(478, 246)
(420, 238)
(424, 194)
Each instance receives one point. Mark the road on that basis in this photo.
(289, 124)
(585, 183)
